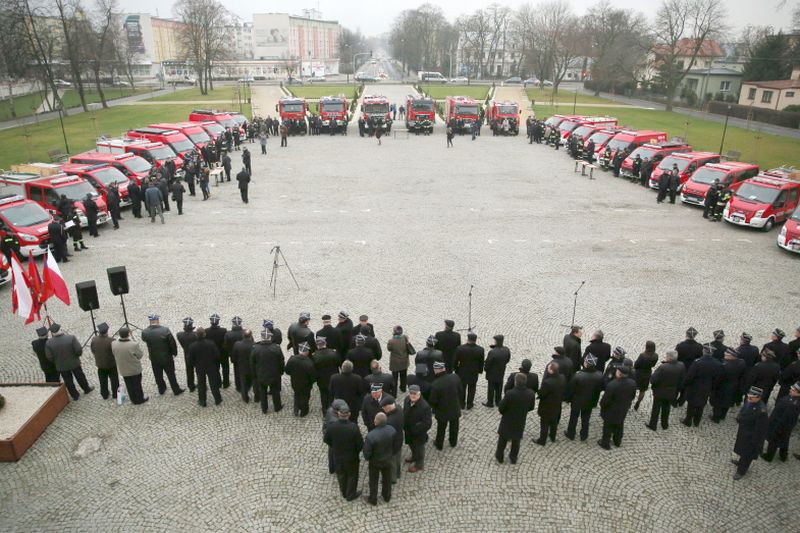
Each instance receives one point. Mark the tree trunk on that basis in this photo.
(11, 98)
(99, 88)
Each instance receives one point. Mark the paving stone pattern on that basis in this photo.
(399, 232)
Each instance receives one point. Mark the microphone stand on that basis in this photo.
(575, 302)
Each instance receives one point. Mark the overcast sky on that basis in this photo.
(375, 16)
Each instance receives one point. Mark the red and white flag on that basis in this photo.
(35, 281)
(54, 284)
(21, 297)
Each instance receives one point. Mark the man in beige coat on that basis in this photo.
(128, 355)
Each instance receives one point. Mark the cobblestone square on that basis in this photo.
(400, 232)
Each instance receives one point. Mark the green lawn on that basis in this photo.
(440, 92)
(767, 150)
(72, 99)
(565, 96)
(318, 91)
(24, 106)
(224, 92)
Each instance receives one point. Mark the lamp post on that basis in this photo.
(60, 109)
(724, 130)
(575, 100)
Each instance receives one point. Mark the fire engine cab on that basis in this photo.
(101, 177)
(420, 114)
(133, 166)
(375, 115)
(460, 112)
(155, 153)
(729, 174)
(653, 152)
(174, 138)
(293, 111)
(498, 113)
(686, 163)
(333, 112)
(764, 201)
(25, 220)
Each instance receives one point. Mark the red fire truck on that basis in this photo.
(174, 138)
(221, 117)
(193, 130)
(293, 112)
(27, 221)
(333, 112)
(101, 177)
(133, 166)
(375, 115)
(155, 153)
(420, 114)
(460, 112)
(498, 112)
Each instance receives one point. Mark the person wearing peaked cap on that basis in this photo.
(345, 328)
(725, 388)
(400, 351)
(299, 332)
(765, 374)
(371, 405)
(448, 340)
(394, 418)
(614, 407)
(469, 361)
(644, 369)
(363, 322)
(666, 382)
(104, 359)
(326, 364)
(750, 355)
(423, 367)
(417, 421)
(64, 350)
(216, 334)
(583, 393)
(349, 387)
(361, 356)
(618, 359)
(794, 344)
(162, 349)
(345, 442)
(369, 341)
(782, 422)
(788, 378)
(446, 391)
(514, 409)
(781, 350)
(267, 364)
(378, 451)
(718, 347)
(495, 368)
(277, 334)
(185, 339)
(564, 363)
(204, 357)
(600, 349)
(700, 379)
(231, 337)
(377, 375)
(333, 337)
(242, 367)
(753, 426)
(300, 368)
(51, 375)
(689, 351)
(128, 357)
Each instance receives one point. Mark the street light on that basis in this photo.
(724, 130)
(60, 108)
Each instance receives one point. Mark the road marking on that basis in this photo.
(520, 240)
(744, 240)
(366, 210)
(689, 240)
(661, 240)
(546, 240)
(717, 240)
(360, 242)
(316, 211)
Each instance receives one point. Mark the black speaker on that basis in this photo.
(87, 295)
(118, 280)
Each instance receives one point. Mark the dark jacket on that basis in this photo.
(177, 191)
(533, 381)
(186, 338)
(572, 347)
(700, 380)
(244, 179)
(44, 363)
(495, 365)
(428, 356)
(383, 378)
(689, 351)
(644, 369)
(753, 427)
(565, 366)
(333, 338)
(204, 355)
(64, 350)
(361, 357)
(369, 408)
(514, 409)
(301, 371)
(617, 400)
(764, 375)
(601, 350)
(728, 384)
(216, 334)
(667, 380)
(267, 362)
(326, 363)
(101, 349)
(346, 442)
(781, 351)
(233, 336)
(446, 390)
(789, 376)
(469, 362)
(551, 394)
(379, 445)
(161, 344)
(240, 355)
(583, 390)
(783, 420)
(417, 420)
(153, 197)
(395, 419)
(345, 330)
(447, 341)
(348, 387)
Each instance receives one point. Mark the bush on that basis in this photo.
(719, 96)
(794, 108)
(731, 99)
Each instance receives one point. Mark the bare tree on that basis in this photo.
(421, 38)
(99, 42)
(15, 53)
(685, 27)
(73, 23)
(42, 41)
(205, 36)
(290, 63)
(475, 34)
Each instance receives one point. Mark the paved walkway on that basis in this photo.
(47, 102)
(180, 102)
(265, 98)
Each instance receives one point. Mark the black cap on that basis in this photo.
(472, 336)
(42, 331)
(449, 323)
(102, 328)
(55, 327)
(559, 350)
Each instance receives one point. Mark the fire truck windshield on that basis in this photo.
(292, 108)
(463, 109)
(582, 131)
(138, 164)
(643, 152)
(214, 128)
(507, 109)
(757, 193)
(332, 107)
(76, 191)
(600, 138)
(25, 215)
(109, 175)
(375, 108)
(199, 137)
(421, 105)
(708, 175)
(159, 154)
(181, 146)
(618, 144)
(567, 126)
(668, 161)
(796, 215)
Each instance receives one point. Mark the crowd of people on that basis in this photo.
(346, 363)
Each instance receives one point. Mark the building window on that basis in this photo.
(724, 86)
(766, 97)
(789, 94)
(751, 94)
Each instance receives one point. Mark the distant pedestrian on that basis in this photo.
(378, 135)
(104, 359)
(243, 178)
(177, 194)
(284, 130)
(262, 140)
(449, 136)
(753, 427)
(65, 351)
(514, 409)
(246, 161)
(153, 201)
(226, 165)
(128, 356)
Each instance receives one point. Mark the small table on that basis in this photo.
(216, 174)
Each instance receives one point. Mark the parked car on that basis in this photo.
(531, 81)
(762, 202)
(513, 79)
(246, 79)
(62, 84)
(294, 81)
(460, 79)
(317, 79)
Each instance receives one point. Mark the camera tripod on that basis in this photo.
(273, 278)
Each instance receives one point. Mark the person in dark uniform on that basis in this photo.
(91, 216)
(163, 187)
(781, 350)
(448, 341)
(572, 346)
(299, 332)
(636, 168)
(232, 336)
(112, 202)
(332, 336)
(267, 362)
(782, 422)
(345, 328)
(718, 347)
(204, 356)
(185, 339)
(788, 377)
(377, 375)
(724, 390)
(645, 172)
(532, 378)
(750, 355)
(794, 345)
(417, 421)
(65, 207)
(51, 375)
(162, 349)
(689, 351)
(514, 409)
(551, 394)
(64, 351)
(135, 195)
(765, 374)
(77, 234)
(700, 378)
(618, 359)
(599, 349)
(710, 200)
(300, 369)
(58, 239)
(565, 365)
(446, 391)
(394, 418)
(349, 387)
(190, 175)
(590, 152)
(361, 356)
(643, 368)
(378, 451)
(246, 161)
(10, 244)
(614, 407)
(665, 382)
(663, 186)
(371, 404)
(240, 355)
(722, 199)
(216, 334)
(243, 178)
(583, 393)
(469, 359)
(495, 368)
(346, 443)
(326, 363)
(177, 194)
(106, 365)
(753, 427)
(277, 335)
(674, 184)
